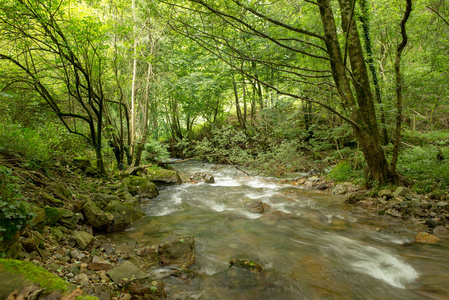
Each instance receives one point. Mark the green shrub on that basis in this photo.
(14, 212)
(345, 171)
(421, 166)
(156, 149)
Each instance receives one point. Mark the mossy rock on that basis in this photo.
(38, 221)
(15, 275)
(141, 187)
(82, 162)
(247, 264)
(163, 176)
(50, 200)
(124, 214)
(52, 215)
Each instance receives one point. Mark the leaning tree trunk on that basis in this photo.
(360, 103)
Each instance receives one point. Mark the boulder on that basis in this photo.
(140, 187)
(426, 238)
(242, 281)
(147, 289)
(400, 192)
(202, 176)
(83, 239)
(344, 188)
(52, 215)
(125, 271)
(163, 176)
(82, 162)
(97, 218)
(257, 207)
(124, 214)
(69, 219)
(387, 194)
(38, 221)
(177, 251)
(443, 204)
(102, 200)
(15, 275)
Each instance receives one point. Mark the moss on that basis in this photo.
(52, 215)
(35, 274)
(85, 297)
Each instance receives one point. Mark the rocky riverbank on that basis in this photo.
(400, 202)
(69, 235)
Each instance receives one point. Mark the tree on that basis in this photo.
(59, 56)
(304, 50)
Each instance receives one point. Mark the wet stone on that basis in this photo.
(426, 238)
(177, 251)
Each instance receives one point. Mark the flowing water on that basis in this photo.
(317, 248)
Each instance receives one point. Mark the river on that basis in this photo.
(319, 248)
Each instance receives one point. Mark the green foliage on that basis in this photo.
(35, 274)
(345, 171)
(14, 212)
(38, 146)
(421, 166)
(230, 145)
(156, 149)
(25, 141)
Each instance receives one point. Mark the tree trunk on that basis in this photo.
(397, 68)
(361, 104)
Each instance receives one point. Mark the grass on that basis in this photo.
(422, 168)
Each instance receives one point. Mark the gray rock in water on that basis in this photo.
(126, 271)
(146, 289)
(177, 251)
(202, 176)
(83, 239)
(257, 207)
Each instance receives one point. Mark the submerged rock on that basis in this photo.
(257, 207)
(147, 289)
(177, 251)
(426, 238)
(243, 263)
(202, 176)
